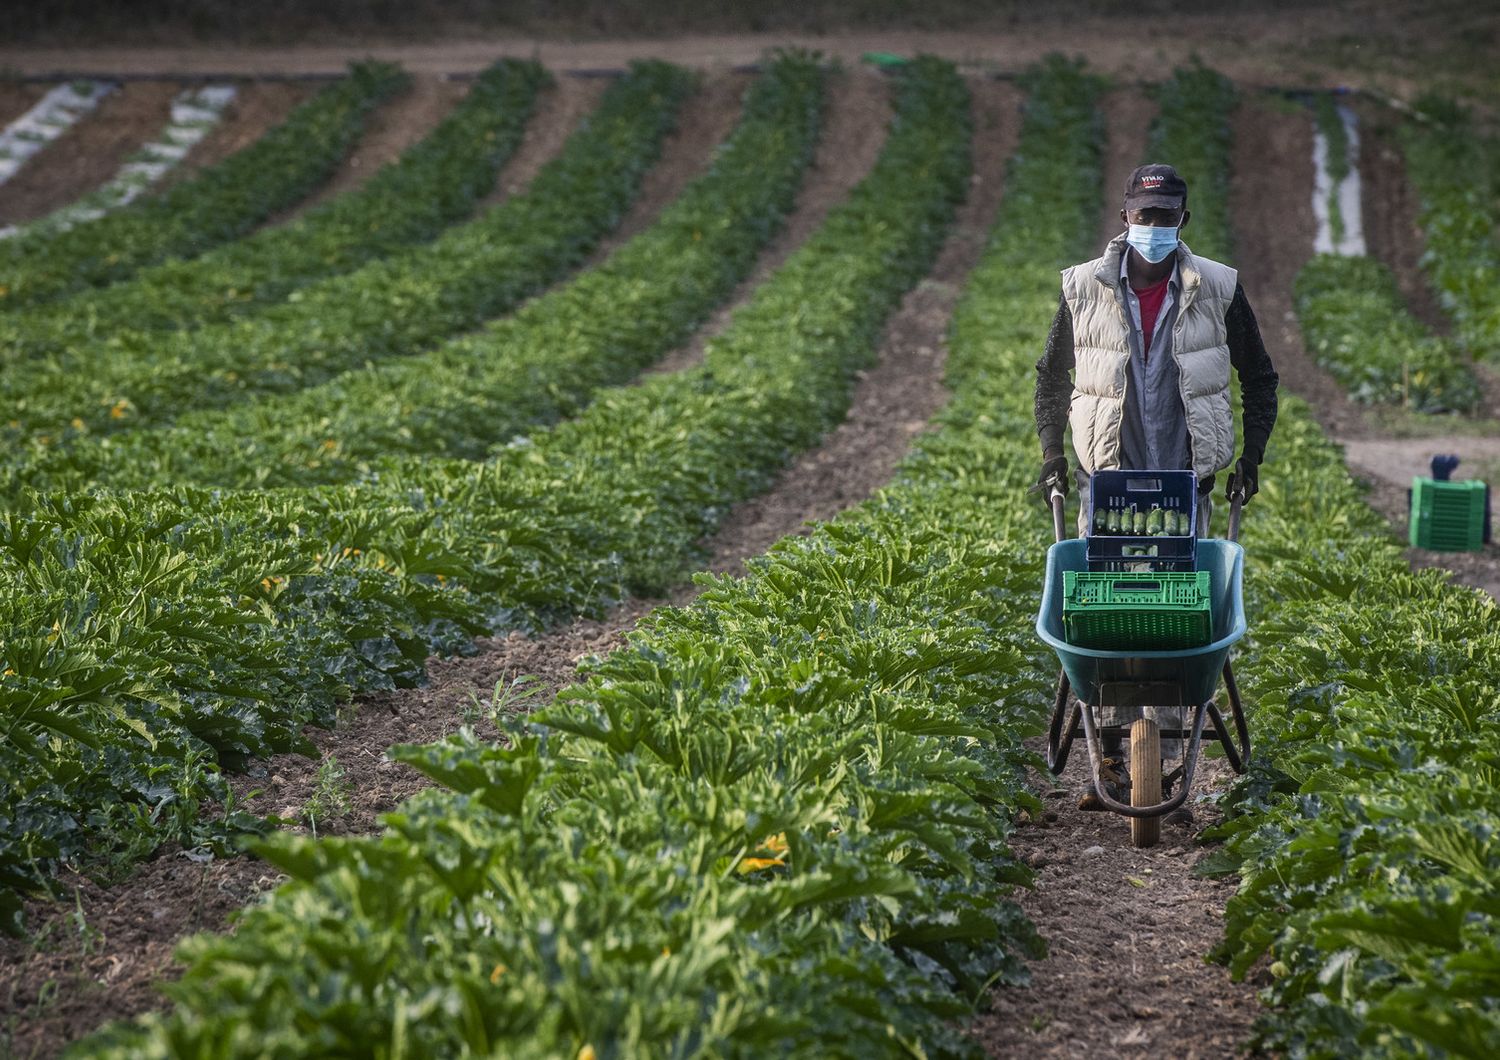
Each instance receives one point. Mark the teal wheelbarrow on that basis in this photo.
(1188, 679)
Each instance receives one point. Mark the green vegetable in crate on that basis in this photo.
(1114, 520)
(1155, 522)
(1139, 523)
(1101, 520)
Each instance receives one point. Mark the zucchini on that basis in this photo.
(1101, 520)
(1155, 522)
(1139, 523)
(1114, 520)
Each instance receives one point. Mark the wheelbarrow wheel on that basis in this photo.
(1145, 780)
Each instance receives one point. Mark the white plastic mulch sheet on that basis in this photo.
(194, 113)
(1350, 242)
(46, 121)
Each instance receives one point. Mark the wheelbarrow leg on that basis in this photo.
(1060, 736)
(1189, 766)
(1238, 756)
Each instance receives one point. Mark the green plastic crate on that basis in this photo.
(1447, 516)
(1145, 612)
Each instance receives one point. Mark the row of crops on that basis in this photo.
(401, 303)
(208, 617)
(217, 205)
(432, 185)
(1363, 835)
(777, 819)
(1353, 316)
(728, 839)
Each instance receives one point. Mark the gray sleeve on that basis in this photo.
(1054, 382)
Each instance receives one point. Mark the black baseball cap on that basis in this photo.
(1155, 185)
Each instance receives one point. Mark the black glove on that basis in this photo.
(1246, 475)
(1054, 473)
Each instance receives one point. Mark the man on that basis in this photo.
(1152, 331)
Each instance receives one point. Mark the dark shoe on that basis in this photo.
(1116, 785)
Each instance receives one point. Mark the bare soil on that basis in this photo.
(1127, 931)
(89, 153)
(390, 130)
(559, 109)
(99, 955)
(140, 919)
(17, 97)
(1390, 208)
(1128, 113)
(1271, 202)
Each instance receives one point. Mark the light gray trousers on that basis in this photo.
(1166, 717)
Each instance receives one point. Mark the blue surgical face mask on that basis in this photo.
(1152, 242)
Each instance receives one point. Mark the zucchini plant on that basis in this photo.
(1355, 324)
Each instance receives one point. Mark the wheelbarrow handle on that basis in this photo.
(1056, 497)
(1236, 505)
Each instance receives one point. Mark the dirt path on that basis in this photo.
(1271, 204)
(17, 97)
(853, 131)
(392, 128)
(89, 153)
(1126, 929)
(1293, 45)
(111, 971)
(1389, 209)
(1127, 117)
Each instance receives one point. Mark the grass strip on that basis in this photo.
(215, 206)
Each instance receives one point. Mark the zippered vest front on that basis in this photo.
(1101, 353)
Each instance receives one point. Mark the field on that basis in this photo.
(535, 557)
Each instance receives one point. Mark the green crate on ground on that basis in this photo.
(1447, 516)
(1146, 612)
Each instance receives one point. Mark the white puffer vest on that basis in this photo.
(1101, 351)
